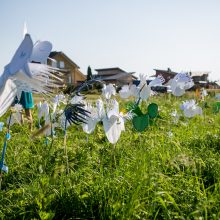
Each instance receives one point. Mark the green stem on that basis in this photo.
(65, 147)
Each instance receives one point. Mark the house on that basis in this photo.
(200, 78)
(115, 76)
(70, 70)
(167, 74)
(213, 85)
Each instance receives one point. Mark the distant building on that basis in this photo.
(115, 76)
(71, 73)
(167, 74)
(200, 78)
(214, 85)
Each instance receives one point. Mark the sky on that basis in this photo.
(135, 35)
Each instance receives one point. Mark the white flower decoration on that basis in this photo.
(190, 109)
(144, 89)
(113, 123)
(44, 111)
(129, 90)
(1, 125)
(108, 91)
(56, 101)
(91, 120)
(180, 83)
(175, 116)
(16, 116)
(76, 99)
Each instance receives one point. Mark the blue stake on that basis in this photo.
(3, 167)
(65, 147)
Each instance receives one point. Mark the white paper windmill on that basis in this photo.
(129, 90)
(180, 83)
(56, 102)
(22, 75)
(190, 109)
(91, 120)
(108, 91)
(142, 91)
(113, 123)
(44, 111)
(16, 116)
(1, 125)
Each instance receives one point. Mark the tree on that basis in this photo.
(89, 73)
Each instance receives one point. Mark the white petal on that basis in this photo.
(112, 130)
(178, 91)
(7, 96)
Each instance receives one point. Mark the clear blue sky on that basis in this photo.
(136, 35)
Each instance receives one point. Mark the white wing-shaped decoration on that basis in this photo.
(180, 83)
(19, 60)
(41, 51)
(21, 56)
(113, 124)
(125, 92)
(108, 91)
(91, 120)
(158, 81)
(145, 90)
(44, 111)
(39, 83)
(190, 109)
(129, 90)
(21, 75)
(7, 96)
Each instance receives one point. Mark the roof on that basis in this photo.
(166, 71)
(109, 69)
(199, 73)
(117, 76)
(203, 82)
(54, 53)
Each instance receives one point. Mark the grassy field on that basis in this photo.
(170, 171)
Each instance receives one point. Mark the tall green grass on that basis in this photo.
(170, 171)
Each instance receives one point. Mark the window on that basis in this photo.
(61, 64)
(54, 63)
(69, 79)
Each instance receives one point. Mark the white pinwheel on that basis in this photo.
(125, 92)
(43, 111)
(76, 99)
(190, 109)
(113, 123)
(16, 116)
(217, 96)
(204, 93)
(144, 89)
(100, 108)
(180, 83)
(56, 102)
(91, 120)
(1, 125)
(108, 91)
(22, 75)
(128, 90)
(175, 116)
(41, 51)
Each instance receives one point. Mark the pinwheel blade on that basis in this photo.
(75, 113)
(21, 55)
(41, 51)
(7, 96)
